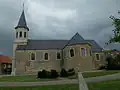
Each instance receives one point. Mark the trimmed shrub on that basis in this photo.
(39, 74)
(102, 67)
(49, 74)
(117, 67)
(43, 74)
(71, 72)
(53, 74)
(63, 73)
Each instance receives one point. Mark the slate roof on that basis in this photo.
(43, 44)
(22, 22)
(58, 44)
(76, 39)
(95, 47)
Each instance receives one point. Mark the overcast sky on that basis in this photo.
(58, 19)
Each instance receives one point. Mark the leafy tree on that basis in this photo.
(110, 61)
(117, 60)
(113, 63)
(116, 31)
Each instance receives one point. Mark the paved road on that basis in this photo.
(67, 81)
(103, 78)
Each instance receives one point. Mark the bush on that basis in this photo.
(39, 74)
(102, 67)
(110, 61)
(53, 74)
(63, 73)
(47, 74)
(43, 74)
(115, 67)
(113, 63)
(71, 72)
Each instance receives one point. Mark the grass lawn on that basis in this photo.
(24, 78)
(48, 87)
(32, 78)
(106, 85)
(100, 73)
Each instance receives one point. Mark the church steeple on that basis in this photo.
(22, 21)
(22, 29)
(21, 37)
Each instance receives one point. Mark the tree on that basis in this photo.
(113, 63)
(116, 31)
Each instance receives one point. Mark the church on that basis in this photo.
(31, 56)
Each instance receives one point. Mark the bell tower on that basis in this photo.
(21, 37)
(21, 30)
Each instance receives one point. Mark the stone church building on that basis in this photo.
(31, 56)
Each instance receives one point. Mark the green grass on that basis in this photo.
(100, 73)
(106, 85)
(24, 78)
(48, 87)
(33, 78)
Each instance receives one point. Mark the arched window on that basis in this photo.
(58, 55)
(21, 34)
(32, 56)
(97, 57)
(25, 34)
(46, 56)
(83, 51)
(90, 51)
(71, 52)
(4, 66)
(16, 34)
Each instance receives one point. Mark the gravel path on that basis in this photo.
(67, 81)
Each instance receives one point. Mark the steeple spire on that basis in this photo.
(22, 21)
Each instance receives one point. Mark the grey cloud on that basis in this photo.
(92, 18)
(9, 12)
(89, 17)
